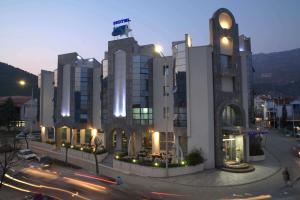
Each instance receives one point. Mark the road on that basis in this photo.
(79, 184)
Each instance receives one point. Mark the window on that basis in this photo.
(165, 70)
(142, 116)
(225, 62)
(166, 90)
(166, 112)
(87, 136)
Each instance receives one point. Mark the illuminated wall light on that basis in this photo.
(94, 132)
(66, 91)
(225, 21)
(155, 143)
(117, 157)
(119, 108)
(225, 40)
(183, 162)
(156, 164)
(81, 148)
(134, 160)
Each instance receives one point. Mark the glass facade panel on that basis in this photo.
(142, 90)
(180, 99)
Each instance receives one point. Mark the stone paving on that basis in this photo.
(214, 178)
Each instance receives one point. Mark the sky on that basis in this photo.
(34, 32)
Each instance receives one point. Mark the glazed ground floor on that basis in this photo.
(235, 143)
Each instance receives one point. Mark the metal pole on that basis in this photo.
(293, 120)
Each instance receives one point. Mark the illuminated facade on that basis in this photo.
(70, 108)
(131, 73)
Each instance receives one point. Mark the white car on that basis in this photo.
(26, 154)
(21, 135)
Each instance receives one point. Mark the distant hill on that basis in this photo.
(9, 77)
(278, 73)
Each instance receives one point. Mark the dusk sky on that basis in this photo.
(34, 32)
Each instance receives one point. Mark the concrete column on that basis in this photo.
(82, 136)
(74, 136)
(118, 141)
(43, 134)
(58, 138)
(138, 141)
(155, 143)
(68, 139)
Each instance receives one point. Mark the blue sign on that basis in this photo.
(121, 21)
(121, 30)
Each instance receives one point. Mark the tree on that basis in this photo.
(8, 153)
(8, 114)
(97, 144)
(67, 145)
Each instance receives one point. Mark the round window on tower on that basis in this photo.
(225, 21)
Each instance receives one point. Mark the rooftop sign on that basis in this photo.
(121, 21)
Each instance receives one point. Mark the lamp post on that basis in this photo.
(23, 83)
(158, 49)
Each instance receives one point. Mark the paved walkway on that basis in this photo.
(214, 178)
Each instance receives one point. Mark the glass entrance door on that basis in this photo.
(233, 148)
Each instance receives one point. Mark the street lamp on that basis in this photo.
(158, 49)
(23, 83)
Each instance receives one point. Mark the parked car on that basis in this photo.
(26, 154)
(296, 150)
(43, 162)
(38, 197)
(21, 135)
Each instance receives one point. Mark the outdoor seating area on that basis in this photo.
(147, 158)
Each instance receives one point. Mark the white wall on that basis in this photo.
(66, 91)
(200, 114)
(245, 92)
(46, 98)
(158, 94)
(96, 98)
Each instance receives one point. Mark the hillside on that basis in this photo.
(9, 77)
(278, 73)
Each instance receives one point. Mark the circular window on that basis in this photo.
(225, 21)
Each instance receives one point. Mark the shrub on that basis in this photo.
(255, 145)
(50, 142)
(194, 157)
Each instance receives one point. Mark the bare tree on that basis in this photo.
(97, 144)
(8, 152)
(67, 145)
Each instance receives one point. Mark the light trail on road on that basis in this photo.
(166, 194)
(95, 178)
(84, 184)
(47, 187)
(15, 187)
(259, 197)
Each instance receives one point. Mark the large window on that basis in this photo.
(142, 116)
(225, 61)
(179, 52)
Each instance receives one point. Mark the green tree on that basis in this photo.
(8, 114)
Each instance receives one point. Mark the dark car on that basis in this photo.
(296, 150)
(38, 197)
(43, 162)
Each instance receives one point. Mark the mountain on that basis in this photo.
(277, 73)
(9, 77)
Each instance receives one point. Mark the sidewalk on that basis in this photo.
(207, 178)
(218, 178)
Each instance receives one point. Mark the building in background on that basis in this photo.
(70, 100)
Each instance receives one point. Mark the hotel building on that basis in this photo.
(137, 99)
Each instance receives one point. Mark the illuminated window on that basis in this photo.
(225, 21)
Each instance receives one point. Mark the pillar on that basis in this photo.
(155, 143)
(82, 136)
(58, 138)
(118, 141)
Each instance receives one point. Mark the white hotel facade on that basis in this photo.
(136, 99)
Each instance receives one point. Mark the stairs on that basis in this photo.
(238, 167)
